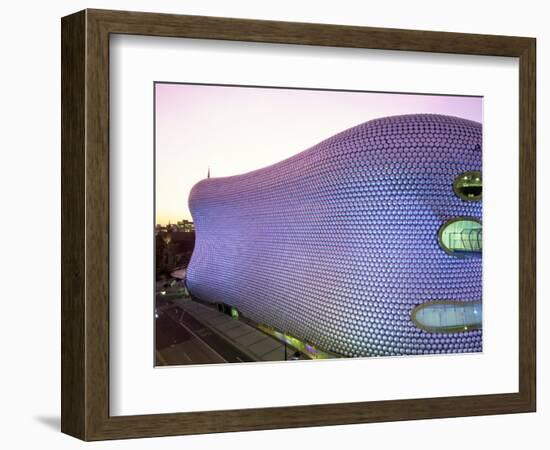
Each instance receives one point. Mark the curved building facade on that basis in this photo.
(338, 245)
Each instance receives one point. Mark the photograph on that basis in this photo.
(275, 221)
(295, 223)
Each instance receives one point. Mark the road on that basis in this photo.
(176, 345)
(181, 339)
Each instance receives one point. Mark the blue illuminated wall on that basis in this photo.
(337, 244)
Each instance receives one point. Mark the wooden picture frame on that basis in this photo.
(85, 224)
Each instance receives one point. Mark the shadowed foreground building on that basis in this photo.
(366, 244)
(173, 249)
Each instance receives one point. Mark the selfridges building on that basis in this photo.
(366, 244)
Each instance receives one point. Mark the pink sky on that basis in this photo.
(234, 130)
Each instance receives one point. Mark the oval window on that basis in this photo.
(468, 186)
(461, 237)
(448, 316)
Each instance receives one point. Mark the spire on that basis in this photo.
(208, 176)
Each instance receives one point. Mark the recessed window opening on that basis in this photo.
(468, 186)
(448, 316)
(461, 237)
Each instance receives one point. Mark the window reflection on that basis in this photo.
(448, 316)
(468, 186)
(461, 237)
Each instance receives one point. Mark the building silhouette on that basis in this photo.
(173, 246)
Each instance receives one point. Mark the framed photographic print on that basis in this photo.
(272, 224)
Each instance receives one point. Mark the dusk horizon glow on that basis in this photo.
(234, 130)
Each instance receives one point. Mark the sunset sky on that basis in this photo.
(234, 130)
